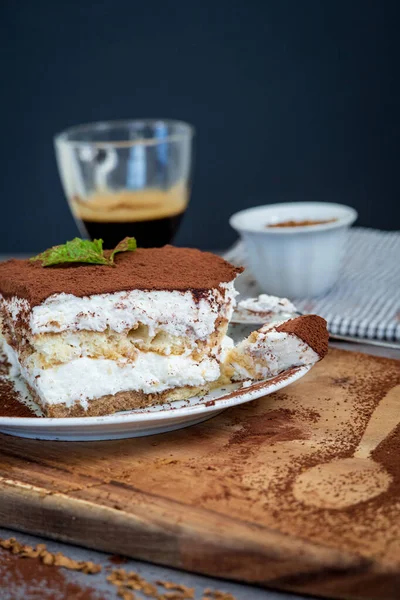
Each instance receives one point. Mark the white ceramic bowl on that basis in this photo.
(295, 262)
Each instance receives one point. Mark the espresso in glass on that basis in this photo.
(127, 178)
(152, 216)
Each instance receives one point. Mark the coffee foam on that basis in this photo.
(131, 205)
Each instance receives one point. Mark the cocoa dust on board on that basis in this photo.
(273, 426)
(320, 419)
(39, 580)
(116, 559)
(364, 525)
(387, 454)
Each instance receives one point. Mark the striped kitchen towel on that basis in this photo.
(365, 302)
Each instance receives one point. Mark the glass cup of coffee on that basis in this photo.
(127, 178)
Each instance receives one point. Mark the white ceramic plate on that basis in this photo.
(149, 421)
(154, 419)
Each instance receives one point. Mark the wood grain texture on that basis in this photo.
(232, 497)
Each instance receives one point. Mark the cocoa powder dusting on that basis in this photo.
(115, 559)
(40, 580)
(321, 418)
(166, 268)
(359, 525)
(10, 406)
(312, 329)
(262, 384)
(387, 454)
(274, 426)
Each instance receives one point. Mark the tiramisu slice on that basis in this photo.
(92, 339)
(276, 347)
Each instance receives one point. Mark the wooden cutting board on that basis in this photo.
(298, 491)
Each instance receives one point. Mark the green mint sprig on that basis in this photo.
(83, 251)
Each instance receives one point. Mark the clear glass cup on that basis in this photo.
(127, 178)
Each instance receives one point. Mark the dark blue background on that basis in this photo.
(291, 100)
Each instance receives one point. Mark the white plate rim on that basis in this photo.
(260, 388)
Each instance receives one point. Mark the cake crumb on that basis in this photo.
(126, 581)
(184, 592)
(217, 595)
(126, 595)
(48, 558)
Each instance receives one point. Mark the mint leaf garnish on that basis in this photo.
(126, 245)
(83, 251)
(76, 250)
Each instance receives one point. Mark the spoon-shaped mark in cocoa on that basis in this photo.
(347, 481)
